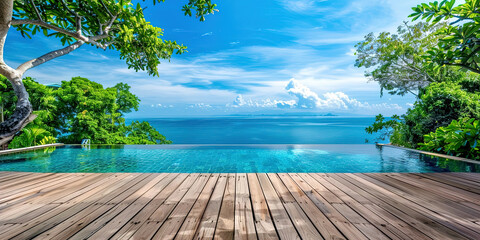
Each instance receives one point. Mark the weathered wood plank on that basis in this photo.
(244, 225)
(159, 216)
(129, 229)
(226, 219)
(239, 206)
(316, 216)
(192, 221)
(283, 224)
(304, 226)
(263, 221)
(206, 228)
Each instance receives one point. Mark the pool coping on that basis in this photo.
(26, 149)
(431, 153)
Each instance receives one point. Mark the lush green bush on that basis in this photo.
(80, 109)
(460, 138)
(437, 106)
(31, 136)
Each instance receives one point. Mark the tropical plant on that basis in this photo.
(460, 138)
(112, 24)
(395, 61)
(460, 40)
(48, 140)
(384, 128)
(29, 136)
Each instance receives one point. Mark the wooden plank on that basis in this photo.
(283, 224)
(27, 180)
(344, 208)
(305, 181)
(226, 226)
(244, 224)
(316, 216)
(194, 217)
(11, 176)
(53, 202)
(206, 228)
(376, 218)
(474, 177)
(302, 223)
(420, 214)
(129, 229)
(104, 218)
(115, 218)
(450, 182)
(16, 205)
(372, 212)
(460, 180)
(148, 229)
(172, 224)
(51, 218)
(446, 191)
(455, 215)
(263, 221)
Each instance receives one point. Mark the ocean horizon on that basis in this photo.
(264, 129)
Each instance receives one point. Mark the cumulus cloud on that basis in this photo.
(308, 99)
(241, 102)
(200, 105)
(159, 105)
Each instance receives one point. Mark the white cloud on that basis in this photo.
(207, 34)
(234, 43)
(308, 99)
(200, 105)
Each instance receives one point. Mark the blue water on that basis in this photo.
(230, 159)
(264, 130)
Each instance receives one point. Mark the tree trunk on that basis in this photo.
(20, 116)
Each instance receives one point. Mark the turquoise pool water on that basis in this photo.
(229, 159)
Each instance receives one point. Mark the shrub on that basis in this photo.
(460, 138)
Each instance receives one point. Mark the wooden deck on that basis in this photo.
(239, 206)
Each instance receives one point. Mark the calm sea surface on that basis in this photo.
(264, 130)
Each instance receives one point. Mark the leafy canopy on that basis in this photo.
(460, 41)
(113, 24)
(395, 60)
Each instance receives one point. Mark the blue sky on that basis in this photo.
(262, 57)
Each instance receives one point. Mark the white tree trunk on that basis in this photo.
(20, 116)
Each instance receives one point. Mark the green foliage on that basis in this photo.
(437, 105)
(29, 136)
(48, 140)
(459, 45)
(143, 133)
(395, 60)
(84, 109)
(460, 138)
(113, 24)
(384, 128)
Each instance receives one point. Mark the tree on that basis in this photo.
(395, 60)
(125, 102)
(460, 41)
(111, 24)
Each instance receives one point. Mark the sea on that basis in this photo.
(265, 129)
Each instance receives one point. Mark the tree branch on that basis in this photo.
(49, 56)
(75, 35)
(36, 10)
(464, 66)
(106, 9)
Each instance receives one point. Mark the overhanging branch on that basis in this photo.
(49, 56)
(75, 35)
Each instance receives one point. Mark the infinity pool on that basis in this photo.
(330, 158)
